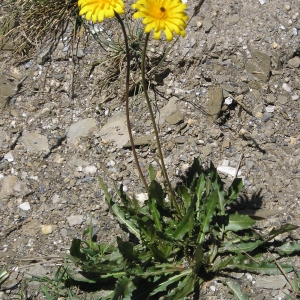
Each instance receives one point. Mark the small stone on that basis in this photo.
(24, 206)
(91, 170)
(295, 97)
(287, 7)
(180, 139)
(294, 62)
(9, 157)
(228, 170)
(34, 141)
(270, 108)
(275, 45)
(226, 143)
(206, 150)
(282, 99)
(175, 118)
(275, 282)
(267, 116)
(47, 229)
(228, 101)
(142, 197)
(80, 129)
(75, 220)
(207, 25)
(286, 87)
(271, 99)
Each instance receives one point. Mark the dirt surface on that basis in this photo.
(227, 92)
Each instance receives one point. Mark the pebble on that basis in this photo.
(24, 206)
(228, 170)
(282, 99)
(295, 97)
(9, 157)
(287, 7)
(267, 116)
(47, 229)
(75, 220)
(294, 62)
(270, 108)
(90, 170)
(286, 87)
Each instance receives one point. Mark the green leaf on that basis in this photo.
(156, 192)
(130, 225)
(239, 222)
(263, 268)
(184, 288)
(234, 189)
(162, 287)
(105, 190)
(75, 250)
(151, 173)
(126, 249)
(235, 288)
(288, 248)
(184, 193)
(155, 213)
(123, 288)
(183, 226)
(240, 247)
(209, 213)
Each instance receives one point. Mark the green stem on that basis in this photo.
(127, 103)
(171, 193)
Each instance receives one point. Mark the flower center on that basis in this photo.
(162, 9)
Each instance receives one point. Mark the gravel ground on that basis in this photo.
(228, 92)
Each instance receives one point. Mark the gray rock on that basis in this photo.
(287, 88)
(80, 129)
(294, 62)
(206, 150)
(37, 270)
(75, 220)
(7, 188)
(8, 88)
(180, 139)
(175, 118)
(2, 137)
(233, 19)
(207, 25)
(271, 99)
(275, 282)
(282, 99)
(259, 65)
(143, 140)
(215, 98)
(34, 141)
(167, 110)
(267, 116)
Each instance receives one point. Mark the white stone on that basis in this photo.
(75, 220)
(228, 101)
(228, 170)
(270, 108)
(142, 197)
(91, 170)
(286, 87)
(25, 206)
(9, 157)
(295, 97)
(262, 2)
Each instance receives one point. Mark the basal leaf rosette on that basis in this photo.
(166, 15)
(98, 10)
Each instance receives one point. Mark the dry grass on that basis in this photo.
(27, 22)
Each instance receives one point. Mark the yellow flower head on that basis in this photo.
(97, 10)
(166, 15)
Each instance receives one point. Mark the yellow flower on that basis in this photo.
(97, 10)
(166, 15)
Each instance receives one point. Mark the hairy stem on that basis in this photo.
(127, 104)
(171, 193)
